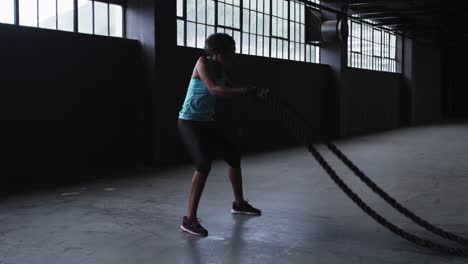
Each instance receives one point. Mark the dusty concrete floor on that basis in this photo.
(306, 217)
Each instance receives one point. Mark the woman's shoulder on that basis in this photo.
(203, 59)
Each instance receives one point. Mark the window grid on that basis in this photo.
(227, 12)
(371, 48)
(84, 16)
(269, 28)
(256, 28)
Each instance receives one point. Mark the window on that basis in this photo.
(371, 48)
(93, 17)
(269, 28)
(7, 11)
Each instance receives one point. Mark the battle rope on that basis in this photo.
(375, 188)
(298, 127)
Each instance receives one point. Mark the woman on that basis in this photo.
(198, 129)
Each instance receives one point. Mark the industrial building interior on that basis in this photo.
(95, 169)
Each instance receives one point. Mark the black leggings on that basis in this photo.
(203, 141)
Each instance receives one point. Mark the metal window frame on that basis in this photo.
(121, 3)
(376, 61)
(245, 34)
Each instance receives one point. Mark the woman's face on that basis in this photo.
(226, 59)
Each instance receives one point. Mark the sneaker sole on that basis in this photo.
(245, 213)
(191, 232)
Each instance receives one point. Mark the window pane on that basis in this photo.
(279, 48)
(392, 52)
(85, 16)
(317, 55)
(237, 18)
(7, 11)
(367, 47)
(191, 10)
(377, 36)
(229, 16)
(180, 8)
(191, 34)
(253, 44)
(65, 15)
(180, 32)
(201, 36)
(101, 25)
(221, 13)
(201, 11)
(285, 28)
(116, 20)
(274, 50)
(260, 46)
(211, 12)
(246, 3)
(292, 50)
(266, 48)
(393, 40)
(253, 22)
(260, 25)
(267, 7)
(275, 8)
(285, 49)
(302, 52)
(47, 18)
(377, 51)
(245, 22)
(28, 12)
(245, 43)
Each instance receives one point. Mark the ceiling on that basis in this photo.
(430, 20)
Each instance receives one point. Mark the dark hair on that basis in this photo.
(219, 43)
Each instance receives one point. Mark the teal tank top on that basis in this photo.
(199, 104)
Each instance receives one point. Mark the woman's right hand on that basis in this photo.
(250, 90)
(257, 92)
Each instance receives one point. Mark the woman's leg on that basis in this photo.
(198, 184)
(235, 175)
(196, 137)
(232, 156)
(240, 206)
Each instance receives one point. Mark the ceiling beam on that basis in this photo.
(360, 4)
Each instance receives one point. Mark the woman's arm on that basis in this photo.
(213, 88)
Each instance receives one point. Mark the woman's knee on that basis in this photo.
(204, 166)
(234, 161)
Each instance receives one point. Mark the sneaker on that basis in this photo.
(193, 227)
(244, 208)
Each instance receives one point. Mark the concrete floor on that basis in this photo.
(306, 217)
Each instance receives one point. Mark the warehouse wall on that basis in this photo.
(371, 101)
(455, 81)
(69, 103)
(427, 90)
(78, 102)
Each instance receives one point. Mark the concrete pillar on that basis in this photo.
(140, 25)
(405, 50)
(334, 55)
(153, 23)
(422, 84)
